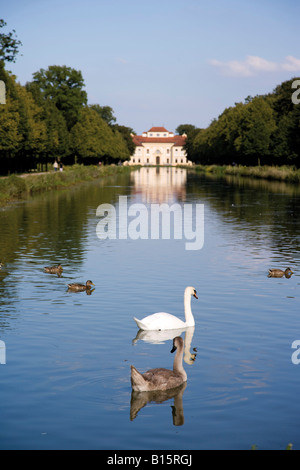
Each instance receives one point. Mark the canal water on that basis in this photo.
(65, 357)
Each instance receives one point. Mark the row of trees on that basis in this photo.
(262, 130)
(49, 118)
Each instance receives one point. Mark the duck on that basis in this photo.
(161, 379)
(54, 269)
(280, 273)
(81, 287)
(166, 321)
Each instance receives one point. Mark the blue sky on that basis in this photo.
(161, 62)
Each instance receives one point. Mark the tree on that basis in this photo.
(256, 129)
(191, 151)
(92, 138)
(120, 150)
(185, 129)
(218, 142)
(57, 140)
(242, 134)
(31, 125)
(9, 45)
(105, 112)
(126, 133)
(10, 136)
(286, 140)
(23, 132)
(282, 95)
(63, 87)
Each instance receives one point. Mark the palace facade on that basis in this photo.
(158, 146)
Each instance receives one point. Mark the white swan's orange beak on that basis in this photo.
(195, 295)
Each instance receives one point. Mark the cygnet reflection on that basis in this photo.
(140, 399)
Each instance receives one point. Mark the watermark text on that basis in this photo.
(2, 92)
(296, 354)
(296, 94)
(2, 352)
(155, 222)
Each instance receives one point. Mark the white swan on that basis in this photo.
(166, 321)
(161, 379)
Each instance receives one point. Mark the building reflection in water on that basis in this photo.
(158, 185)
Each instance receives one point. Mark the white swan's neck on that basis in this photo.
(189, 319)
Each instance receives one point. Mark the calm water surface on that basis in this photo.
(66, 380)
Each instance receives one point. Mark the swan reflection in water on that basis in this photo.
(159, 337)
(140, 399)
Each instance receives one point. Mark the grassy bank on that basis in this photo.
(278, 173)
(16, 188)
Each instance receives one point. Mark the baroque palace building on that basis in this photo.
(159, 147)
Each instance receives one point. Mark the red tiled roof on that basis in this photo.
(158, 129)
(177, 140)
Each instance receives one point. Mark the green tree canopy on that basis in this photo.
(87, 135)
(105, 112)
(256, 129)
(9, 45)
(92, 138)
(185, 129)
(126, 133)
(10, 135)
(57, 135)
(31, 125)
(23, 132)
(264, 129)
(62, 86)
(287, 139)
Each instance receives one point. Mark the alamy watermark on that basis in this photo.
(2, 352)
(2, 92)
(296, 354)
(154, 221)
(296, 94)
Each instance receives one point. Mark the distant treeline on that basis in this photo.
(49, 119)
(264, 130)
